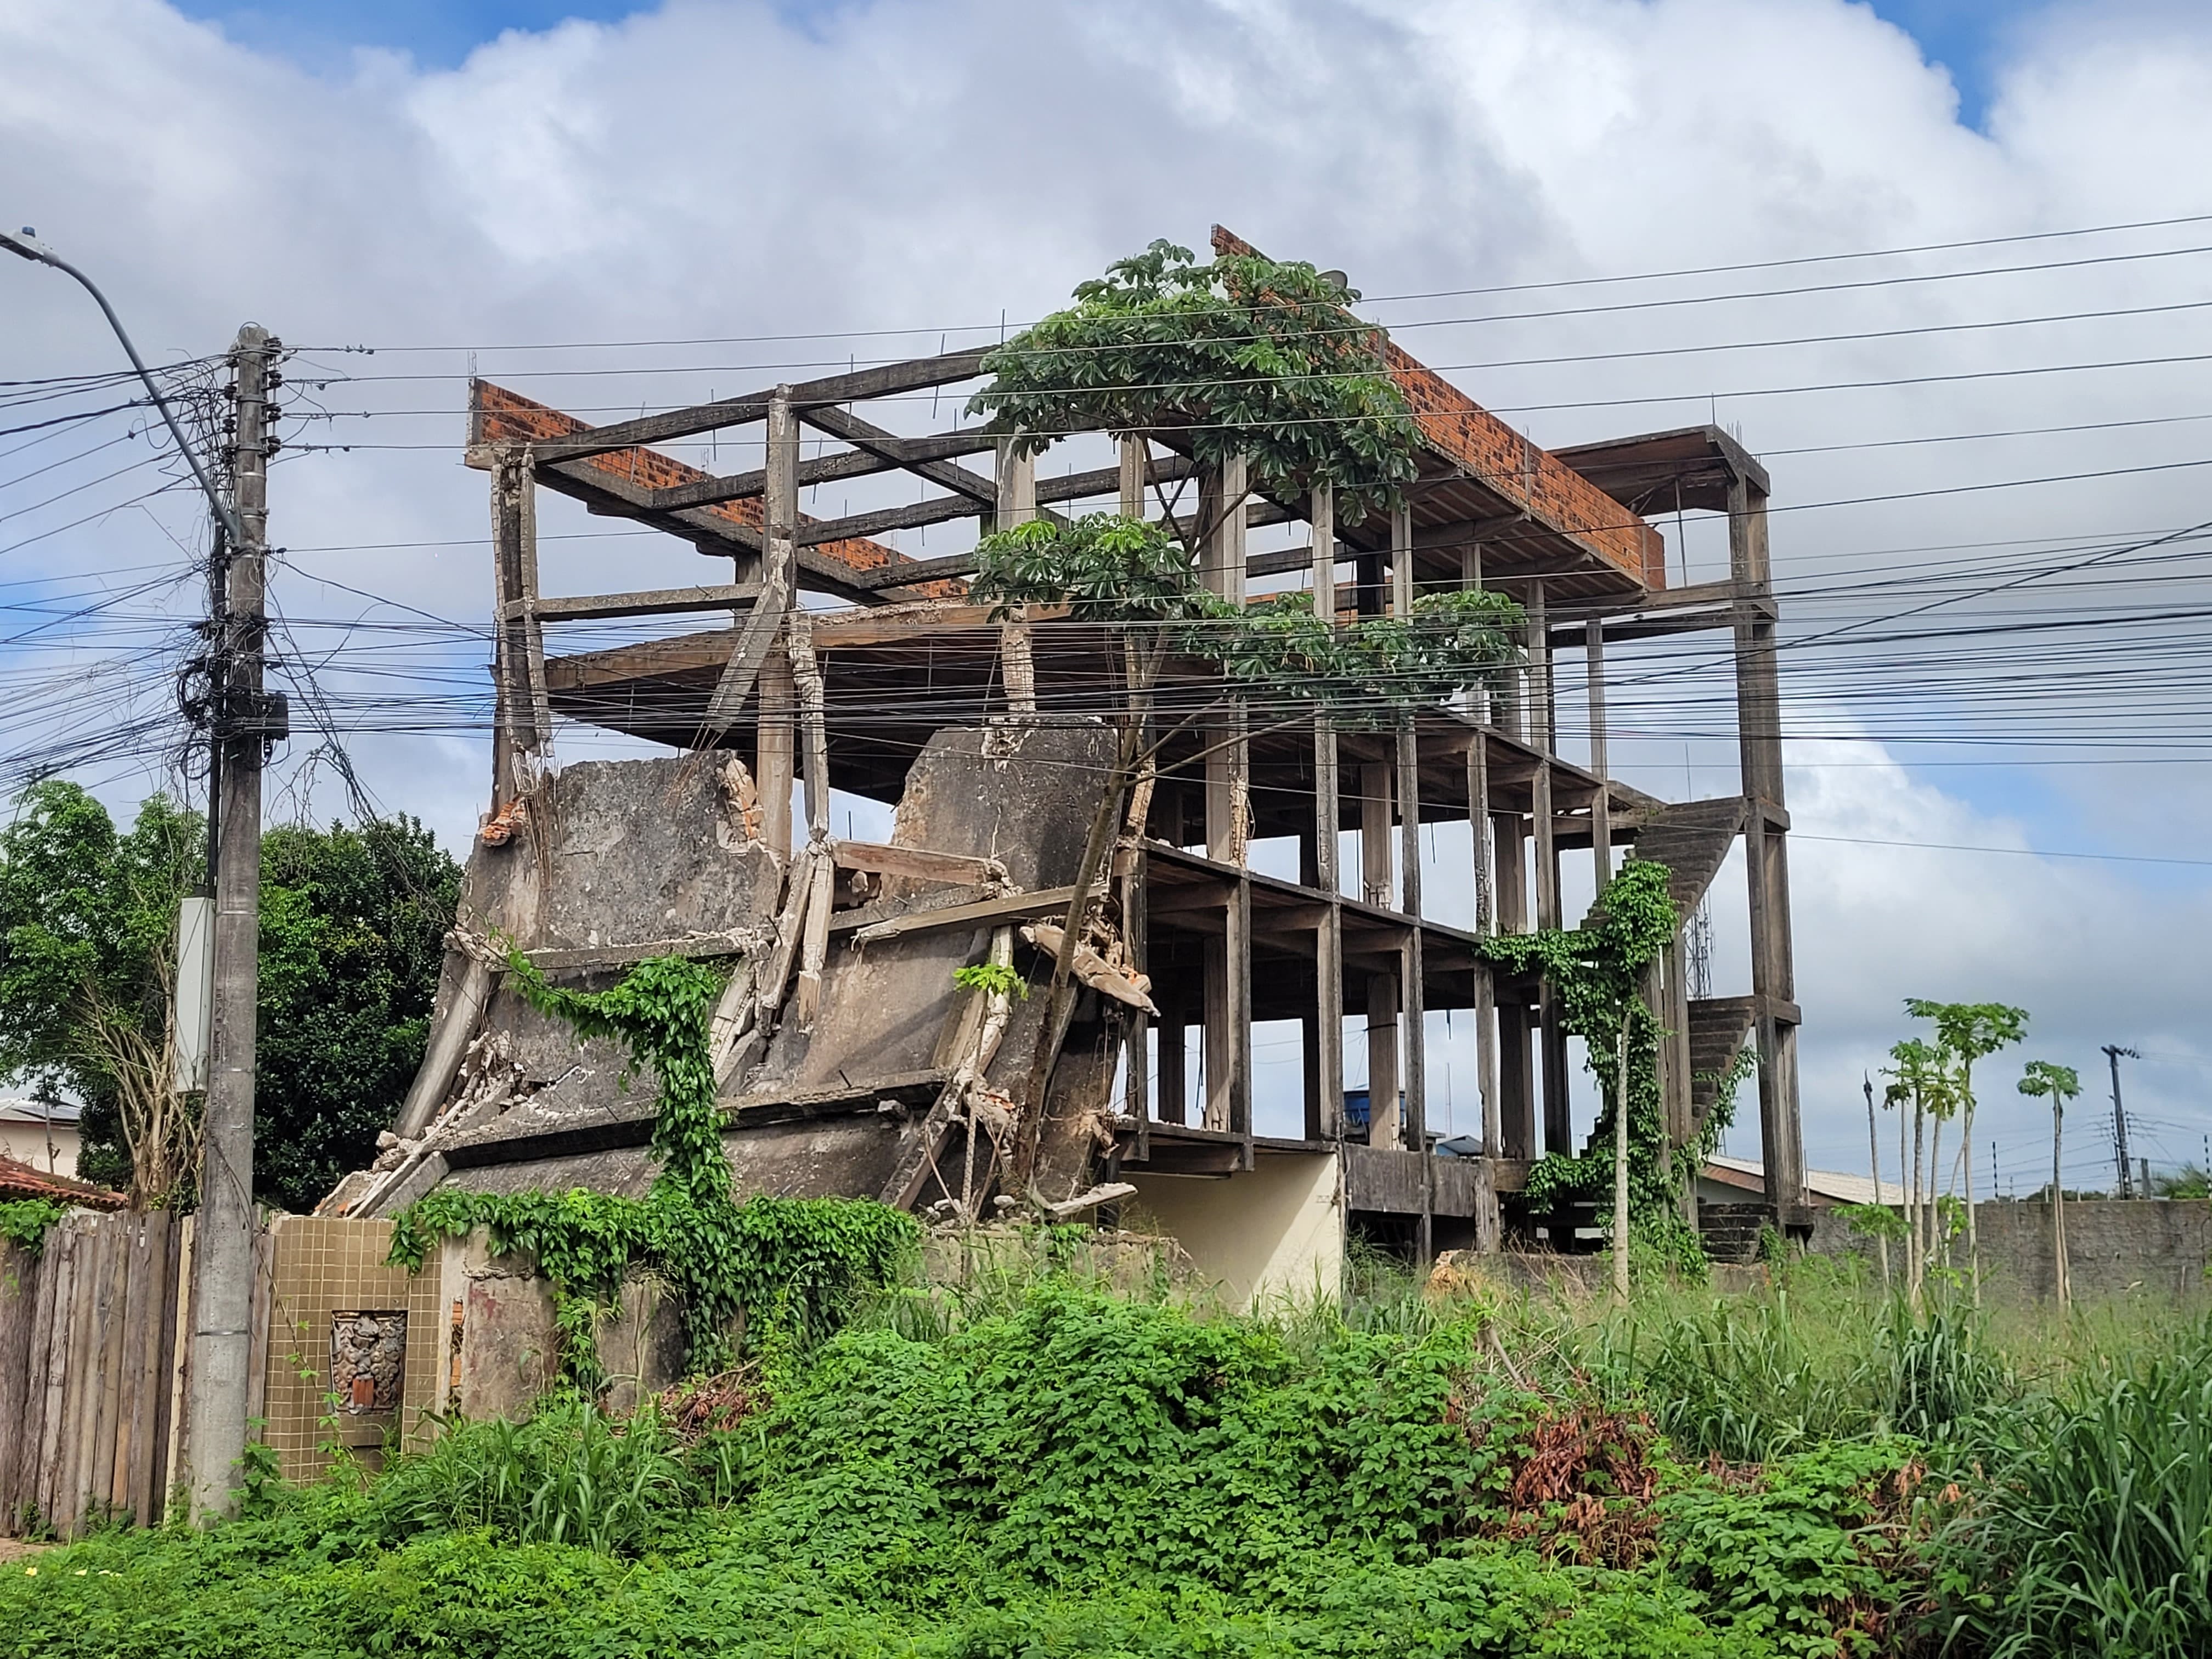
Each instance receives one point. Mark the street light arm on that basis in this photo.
(31, 247)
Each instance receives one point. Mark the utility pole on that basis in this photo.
(246, 722)
(2112, 1052)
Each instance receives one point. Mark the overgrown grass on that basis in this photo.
(569, 1475)
(1751, 1379)
(2092, 1533)
(1029, 1460)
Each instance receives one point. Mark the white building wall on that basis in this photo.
(23, 1135)
(1275, 1230)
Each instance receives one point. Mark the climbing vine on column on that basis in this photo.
(777, 1263)
(1597, 973)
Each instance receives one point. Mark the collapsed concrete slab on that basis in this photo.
(608, 862)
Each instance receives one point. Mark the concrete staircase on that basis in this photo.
(1731, 1231)
(1719, 1027)
(1691, 838)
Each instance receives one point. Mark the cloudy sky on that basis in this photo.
(1998, 754)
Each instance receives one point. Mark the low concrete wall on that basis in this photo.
(325, 1271)
(1127, 1263)
(1275, 1229)
(506, 1355)
(476, 1332)
(2114, 1247)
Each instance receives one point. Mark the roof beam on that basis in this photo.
(913, 514)
(864, 435)
(709, 531)
(855, 387)
(1070, 487)
(652, 602)
(827, 469)
(625, 483)
(1074, 486)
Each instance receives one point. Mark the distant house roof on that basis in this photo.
(62, 1112)
(1828, 1186)
(22, 1180)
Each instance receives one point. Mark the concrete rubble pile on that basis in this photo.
(848, 1060)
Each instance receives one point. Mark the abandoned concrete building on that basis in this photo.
(850, 1061)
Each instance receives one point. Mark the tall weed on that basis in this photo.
(2092, 1533)
(569, 1474)
(1750, 1379)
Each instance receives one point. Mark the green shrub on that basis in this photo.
(1044, 1467)
(24, 1222)
(1811, 1554)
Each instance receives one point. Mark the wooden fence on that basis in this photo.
(95, 1335)
(95, 1330)
(88, 1375)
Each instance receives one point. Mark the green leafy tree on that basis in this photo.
(352, 922)
(353, 926)
(1247, 358)
(1244, 355)
(1970, 1031)
(88, 920)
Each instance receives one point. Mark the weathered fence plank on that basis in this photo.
(19, 1302)
(23, 1497)
(62, 1250)
(149, 1383)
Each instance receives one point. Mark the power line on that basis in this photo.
(996, 327)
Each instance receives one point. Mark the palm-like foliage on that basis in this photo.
(1923, 1080)
(1969, 1031)
(2058, 1084)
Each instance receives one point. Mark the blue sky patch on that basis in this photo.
(1965, 36)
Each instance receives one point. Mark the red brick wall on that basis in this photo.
(1509, 466)
(505, 416)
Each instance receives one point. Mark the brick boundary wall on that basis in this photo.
(2114, 1247)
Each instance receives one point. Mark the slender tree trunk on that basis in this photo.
(2058, 1203)
(1142, 666)
(1921, 1209)
(1974, 1240)
(1620, 1164)
(1904, 1194)
(1939, 1243)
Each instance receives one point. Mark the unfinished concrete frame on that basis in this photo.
(1220, 945)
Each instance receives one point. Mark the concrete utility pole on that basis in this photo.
(245, 721)
(2112, 1052)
